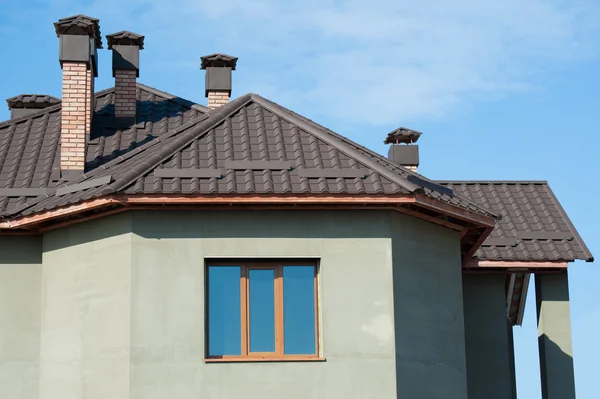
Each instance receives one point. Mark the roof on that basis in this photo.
(29, 145)
(32, 101)
(248, 146)
(254, 146)
(533, 225)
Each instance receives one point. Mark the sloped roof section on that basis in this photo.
(533, 224)
(29, 145)
(253, 146)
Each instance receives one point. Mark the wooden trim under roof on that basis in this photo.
(473, 227)
(391, 200)
(516, 297)
(70, 210)
(454, 211)
(469, 254)
(268, 199)
(522, 265)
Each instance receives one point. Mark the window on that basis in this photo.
(261, 311)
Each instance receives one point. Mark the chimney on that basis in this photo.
(125, 48)
(218, 78)
(79, 40)
(26, 104)
(403, 150)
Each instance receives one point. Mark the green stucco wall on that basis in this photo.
(86, 284)
(20, 292)
(554, 335)
(488, 337)
(168, 304)
(428, 304)
(122, 302)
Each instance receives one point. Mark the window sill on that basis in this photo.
(250, 359)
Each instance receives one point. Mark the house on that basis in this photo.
(151, 247)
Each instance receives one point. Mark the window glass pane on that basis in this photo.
(299, 310)
(224, 311)
(262, 310)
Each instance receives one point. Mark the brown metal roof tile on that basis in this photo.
(248, 129)
(531, 215)
(29, 144)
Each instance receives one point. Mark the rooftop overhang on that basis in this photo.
(473, 227)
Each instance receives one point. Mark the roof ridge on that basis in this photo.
(130, 154)
(49, 109)
(198, 127)
(42, 111)
(135, 151)
(118, 160)
(104, 91)
(491, 181)
(376, 166)
(169, 96)
(308, 125)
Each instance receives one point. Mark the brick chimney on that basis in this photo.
(79, 40)
(403, 150)
(125, 48)
(218, 78)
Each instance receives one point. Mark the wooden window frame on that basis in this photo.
(278, 355)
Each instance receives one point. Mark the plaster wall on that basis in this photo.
(488, 337)
(121, 306)
(167, 326)
(20, 292)
(428, 305)
(85, 323)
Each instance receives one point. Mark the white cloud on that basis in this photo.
(374, 62)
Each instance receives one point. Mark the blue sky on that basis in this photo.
(501, 90)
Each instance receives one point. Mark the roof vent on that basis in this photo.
(218, 78)
(74, 32)
(406, 155)
(125, 48)
(25, 104)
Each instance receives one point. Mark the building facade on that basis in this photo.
(151, 247)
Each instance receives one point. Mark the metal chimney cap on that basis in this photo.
(402, 135)
(125, 38)
(79, 25)
(37, 101)
(218, 60)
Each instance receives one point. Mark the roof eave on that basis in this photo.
(395, 201)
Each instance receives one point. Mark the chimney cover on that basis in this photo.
(402, 135)
(79, 25)
(218, 60)
(27, 104)
(125, 38)
(37, 101)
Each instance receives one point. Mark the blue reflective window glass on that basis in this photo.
(299, 310)
(224, 310)
(261, 309)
